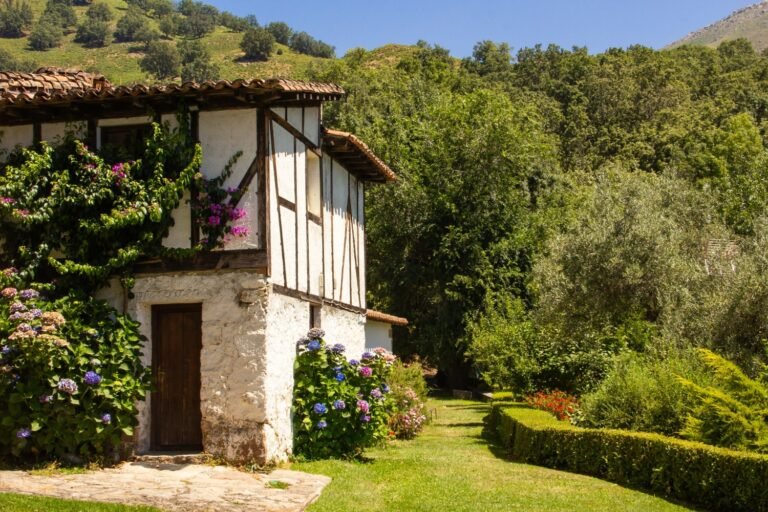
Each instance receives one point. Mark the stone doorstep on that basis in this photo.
(173, 458)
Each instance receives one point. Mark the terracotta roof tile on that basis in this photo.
(354, 154)
(378, 316)
(56, 84)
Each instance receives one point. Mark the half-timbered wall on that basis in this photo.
(319, 253)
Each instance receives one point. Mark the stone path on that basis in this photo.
(177, 487)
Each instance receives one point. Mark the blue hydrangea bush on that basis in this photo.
(69, 375)
(340, 405)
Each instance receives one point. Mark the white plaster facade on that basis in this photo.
(378, 334)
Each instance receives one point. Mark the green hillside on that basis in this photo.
(750, 23)
(120, 61)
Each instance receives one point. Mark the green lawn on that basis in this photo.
(21, 503)
(451, 467)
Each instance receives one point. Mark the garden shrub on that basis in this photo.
(733, 412)
(340, 406)
(409, 393)
(642, 392)
(70, 374)
(712, 477)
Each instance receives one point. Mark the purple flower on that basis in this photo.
(313, 345)
(17, 307)
(36, 313)
(363, 406)
(231, 190)
(365, 371)
(214, 220)
(237, 213)
(7, 200)
(376, 393)
(339, 405)
(106, 418)
(340, 377)
(320, 408)
(368, 355)
(10, 271)
(45, 399)
(5, 350)
(354, 362)
(216, 208)
(240, 230)
(23, 433)
(365, 418)
(16, 316)
(67, 386)
(321, 424)
(29, 294)
(338, 348)
(92, 378)
(23, 327)
(316, 333)
(384, 387)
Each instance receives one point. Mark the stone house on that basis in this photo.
(222, 326)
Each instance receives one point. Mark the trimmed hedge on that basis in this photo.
(715, 478)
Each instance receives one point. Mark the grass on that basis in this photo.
(451, 466)
(23, 503)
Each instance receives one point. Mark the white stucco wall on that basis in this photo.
(13, 136)
(378, 334)
(54, 133)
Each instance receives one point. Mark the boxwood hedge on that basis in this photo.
(711, 477)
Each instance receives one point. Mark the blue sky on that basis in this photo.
(459, 24)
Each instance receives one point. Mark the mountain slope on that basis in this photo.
(750, 23)
(120, 61)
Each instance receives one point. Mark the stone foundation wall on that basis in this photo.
(249, 336)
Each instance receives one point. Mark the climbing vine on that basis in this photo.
(70, 365)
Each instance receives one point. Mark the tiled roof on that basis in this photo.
(48, 85)
(356, 156)
(378, 316)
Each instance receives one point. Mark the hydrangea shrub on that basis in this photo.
(340, 405)
(70, 375)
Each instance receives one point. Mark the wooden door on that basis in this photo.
(176, 345)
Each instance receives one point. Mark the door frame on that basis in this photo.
(155, 420)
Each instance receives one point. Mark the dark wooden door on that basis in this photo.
(176, 345)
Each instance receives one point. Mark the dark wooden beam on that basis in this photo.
(210, 260)
(293, 131)
(288, 292)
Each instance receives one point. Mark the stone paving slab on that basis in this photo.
(176, 487)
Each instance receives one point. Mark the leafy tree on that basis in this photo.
(146, 35)
(257, 43)
(169, 24)
(280, 31)
(234, 23)
(489, 57)
(45, 35)
(100, 12)
(61, 13)
(302, 42)
(160, 8)
(15, 18)
(197, 25)
(93, 33)
(196, 65)
(129, 25)
(161, 60)
(252, 21)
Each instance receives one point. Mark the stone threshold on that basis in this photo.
(173, 458)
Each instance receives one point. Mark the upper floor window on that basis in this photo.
(314, 193)
(121, 143)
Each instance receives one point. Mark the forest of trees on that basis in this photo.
(557, 211)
